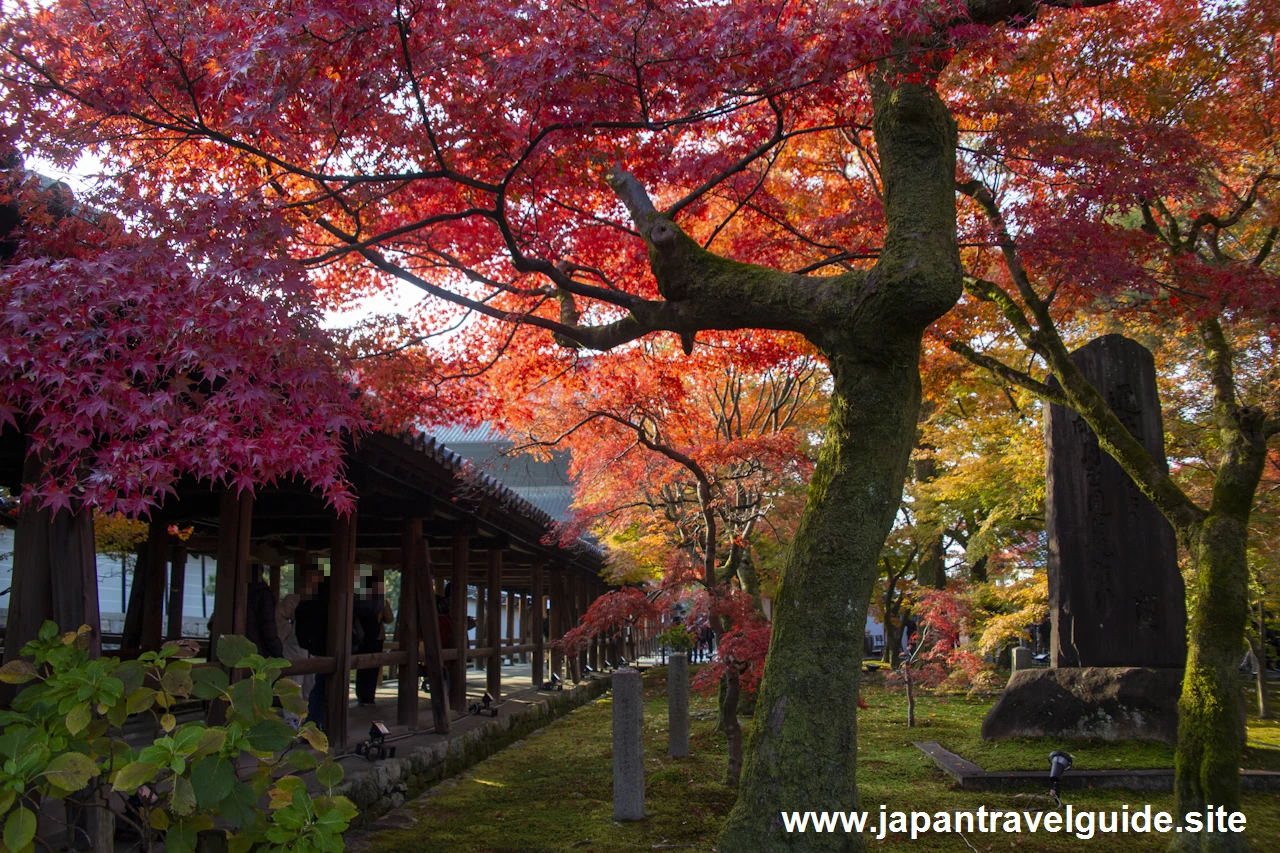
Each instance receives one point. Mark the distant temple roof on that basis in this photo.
(545, 483)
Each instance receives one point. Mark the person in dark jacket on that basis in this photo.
(369, 612)
(260, 617)
(311, 625)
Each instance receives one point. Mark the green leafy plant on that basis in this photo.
(64, 739)
(678, 638)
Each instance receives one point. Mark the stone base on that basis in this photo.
(1107, 703)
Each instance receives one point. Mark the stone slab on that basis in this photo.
(678, 706)
(971, 777)
(1116, 597)
(1106, 703)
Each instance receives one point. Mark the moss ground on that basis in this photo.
(551, 792)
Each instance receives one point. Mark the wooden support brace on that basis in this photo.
(342, 559)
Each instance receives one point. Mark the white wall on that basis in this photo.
(113, 589)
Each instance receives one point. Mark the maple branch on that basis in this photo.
(1076, 391)
(980, 193)
(718, 293)
(1221, 374)
(657, 316)
(1010, 374)
(1268, 243)
(754, 154)
(1021, 12)
(989, 291)
(835, 259)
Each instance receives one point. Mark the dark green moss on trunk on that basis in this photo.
(803, 749)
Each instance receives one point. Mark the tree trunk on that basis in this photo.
(803, 748)
(804, 743)
(1260, 679)
(1207, 762)
(911, 696)
(729, 722)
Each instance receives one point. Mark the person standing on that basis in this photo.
(311, 625)
(370, 614)
(286, 629)
(260, 617)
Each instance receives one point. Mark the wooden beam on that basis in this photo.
(458, 616)
(493, 679)
(342, 556)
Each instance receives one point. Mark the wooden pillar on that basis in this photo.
(522, 603)
(594, 651)
(584, 601)
(412, 552)
(301, 564)
(512, 640)
(177, 588)
(273, 580)
(55, 575)
(458, 615)
(231, 586)
(555, 616)
(342, 571)
(572, 582)
(536, 611)
(482, 623)
(493, 682)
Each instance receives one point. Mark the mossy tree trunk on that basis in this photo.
(803, 749)
(1207, 762)
(869, 325)
(1207, 765)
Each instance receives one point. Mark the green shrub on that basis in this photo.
(64, 737)
(678, 638)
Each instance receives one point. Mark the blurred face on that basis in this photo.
(311, 581)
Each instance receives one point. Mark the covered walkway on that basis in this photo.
(421, 515)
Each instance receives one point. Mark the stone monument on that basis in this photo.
(1116, 598)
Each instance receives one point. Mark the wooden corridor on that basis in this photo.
(419, 511)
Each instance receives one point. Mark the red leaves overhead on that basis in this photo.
(134, 361)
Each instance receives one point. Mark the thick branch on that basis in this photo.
(718, 293)
(1010, 374)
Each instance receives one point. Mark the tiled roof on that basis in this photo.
(509, 498)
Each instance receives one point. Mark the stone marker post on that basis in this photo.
(1021, 658)
(678, 705)
(628, 745)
